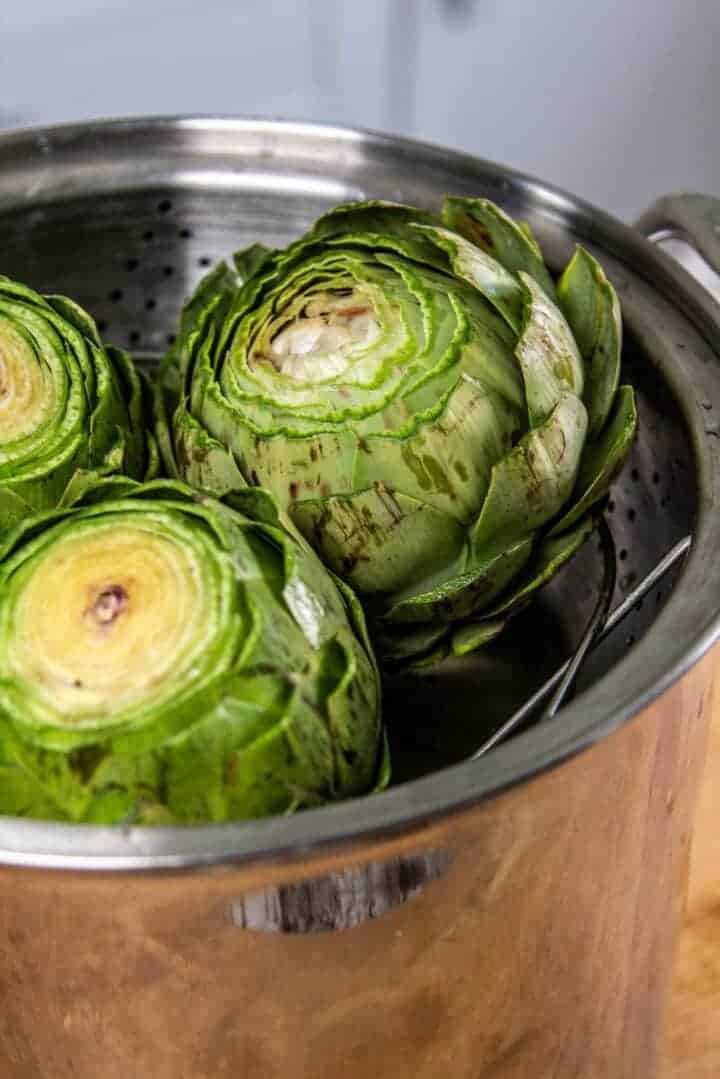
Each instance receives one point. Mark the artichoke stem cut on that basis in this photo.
(108, 605)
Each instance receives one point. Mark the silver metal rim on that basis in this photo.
(687, 627)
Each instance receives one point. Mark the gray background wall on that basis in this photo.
(616, 100)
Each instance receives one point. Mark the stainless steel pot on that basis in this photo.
(503, 917)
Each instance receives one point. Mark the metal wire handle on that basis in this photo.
(598, 628)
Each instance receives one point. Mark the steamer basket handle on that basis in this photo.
(694, 219)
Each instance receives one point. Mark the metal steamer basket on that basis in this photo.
(504, 913)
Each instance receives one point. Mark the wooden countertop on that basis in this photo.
(693, 1045)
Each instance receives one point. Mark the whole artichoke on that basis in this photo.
(166, 657)
(437, 418)
(71, 409)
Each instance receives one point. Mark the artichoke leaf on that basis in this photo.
(602, 459)
(88, 486)
(249, 261)
(379, 539)
(378, 216)
(547, 353)
(590, 305)
(398, 644)
(202, 460)
(473, 635)
(492, 230)
(532, 483)
(472, 264)
(403, 242)
(13, 508)
(165, 401)
(448, 462)
(551, 554)
(384, 772)
(463, 595)
(211, 298)
(74, 314)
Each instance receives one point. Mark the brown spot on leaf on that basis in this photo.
(84, 761)
(349, 563)
(478, 233)
(230, 769)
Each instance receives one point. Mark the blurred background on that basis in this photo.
(617, 101)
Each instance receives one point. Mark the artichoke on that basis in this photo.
(438, 418)
(167, 657)
(71, 409)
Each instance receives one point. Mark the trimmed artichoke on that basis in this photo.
(170, 658)
(71, 409)
(438, 418)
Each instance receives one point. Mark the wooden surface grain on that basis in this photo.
(693, 1035)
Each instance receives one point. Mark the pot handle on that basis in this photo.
(693, 218)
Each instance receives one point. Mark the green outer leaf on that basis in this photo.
(250, 260)
(472, 636)
(165, 399)
(590, 304)
(464, 595)
(552, 553)
(483, 272)
(397, 644)
(547, 354)
(379, 539)
(384, 772)
(602, 459)
(532, 484)
(13, 508)
(281, 709)
(490, 228)
(379, 216)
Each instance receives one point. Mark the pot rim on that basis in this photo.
(687, 627)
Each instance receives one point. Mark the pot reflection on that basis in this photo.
(339, 900)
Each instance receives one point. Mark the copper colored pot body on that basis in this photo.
(543, 948)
